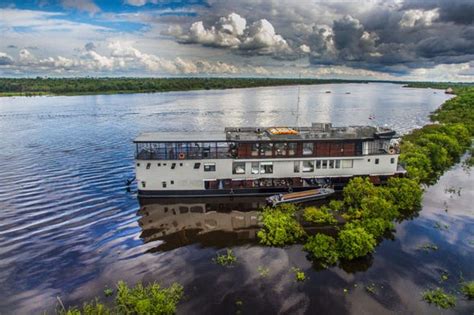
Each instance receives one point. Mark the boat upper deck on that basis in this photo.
(318, 131)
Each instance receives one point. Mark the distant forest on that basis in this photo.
(75, 86)
(66, 86)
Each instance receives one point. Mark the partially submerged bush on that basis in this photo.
(150, 300)
(323, 248)
(226, 259)
(319, 215)
(375, 226)
(405, 193)
(439, 298)
(279, 227)
(468, 289)
(354, 242)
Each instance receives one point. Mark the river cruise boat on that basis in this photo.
(247, 161)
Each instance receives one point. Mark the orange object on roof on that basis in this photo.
(282, 131)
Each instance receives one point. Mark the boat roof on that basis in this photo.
(317, 131)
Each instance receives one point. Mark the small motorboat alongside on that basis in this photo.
(301, 196)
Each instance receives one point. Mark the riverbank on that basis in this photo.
(90, 86)
(10, 87)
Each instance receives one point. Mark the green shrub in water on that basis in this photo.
(323, 248)
(468, 289)
(319, 215)
(354, 242)
(226, 259)
(147, 300)
(439, 298)
(279, 227)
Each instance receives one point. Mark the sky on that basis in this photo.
(428, 40)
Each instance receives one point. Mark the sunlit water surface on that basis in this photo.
(68, 227)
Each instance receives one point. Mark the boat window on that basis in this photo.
(209, 167)
(280, 148)
(143, 184)
(254, 168)
(338, 163)
(308, 148)
(163, 184)
(392, 160)
(266, 149)
(331, 163)
(138, 164)
(148, 165)
(376, 161)
(266, 167)
(318, 164)
(347, 163)
(255, 149)
(296, 167)
(292, 148)
(183, 209)
(180, 164)
(238, 168)
(308, 166)
(173, 166)
(159, 164)
(325, 163)
(197, 166)
(172, 182)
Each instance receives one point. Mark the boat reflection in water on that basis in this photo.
(216, 222)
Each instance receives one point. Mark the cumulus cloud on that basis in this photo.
(5, 59)
(81, 5)
(122, 56)
(232, 31)
(412, 18)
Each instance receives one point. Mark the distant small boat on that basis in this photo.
(328, 92)
(348, 92)
(307, 195)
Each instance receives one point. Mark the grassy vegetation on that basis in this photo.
(77, 86)
(439, 298)
(227, 259)
(300, 276)
(150, 300)
(468, 289)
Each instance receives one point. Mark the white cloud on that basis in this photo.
(233, 32)
(412, 18)
(5, 59)
(140, 3)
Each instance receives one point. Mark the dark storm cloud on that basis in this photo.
(5, 60)
(458, 12)
(381, 35)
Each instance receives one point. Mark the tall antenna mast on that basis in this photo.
(298, 104)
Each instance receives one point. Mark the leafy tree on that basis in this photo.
(374, 226)
(323, 248)
(319, 215)
(405, 193)
(356, 190)
(279, 227)
(354, 242)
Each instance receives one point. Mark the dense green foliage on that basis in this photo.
(280, 226)
(439, 298)
(468, 289)
(354, 242)
(64, 86)
(150, 300)
(321, 215)
(323, 248)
